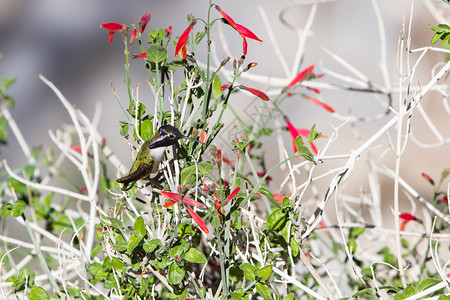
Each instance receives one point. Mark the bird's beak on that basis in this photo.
(189, 138)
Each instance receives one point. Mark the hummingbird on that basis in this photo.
(150, 155)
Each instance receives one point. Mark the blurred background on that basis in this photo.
(62, 40)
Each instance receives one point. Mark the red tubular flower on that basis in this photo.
(133, 36)
(320, 103)
(232, 194)
(226, 17)
(246, 33)
(203, 137)
(181, 44)
(255, 92)
(228, 162)
(218, 203)
(406, 217)
(175, 198)
(112, 27)
(197, 220)
(143, 23)
(301, 76)
(243, 31)
(317, 91)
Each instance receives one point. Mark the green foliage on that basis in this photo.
(442, 33)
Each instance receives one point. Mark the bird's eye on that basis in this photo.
(172, 136)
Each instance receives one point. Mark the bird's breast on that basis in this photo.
(157, 153)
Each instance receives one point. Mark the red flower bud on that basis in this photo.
(76, 148)
(143, 23)
(255, 92)
(133, 36)
(140, 55)
(427, 177)
(168, 32)
(225, 86)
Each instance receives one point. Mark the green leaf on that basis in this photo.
(100, 275)
(95, 251)
(295, 248)
(205, 168)
(187, 176)
(6, 82)
(195, 256)
(199, 37)
(276, 219)
(156, 53)
(289, 297)
(6, 210)
(176, 273)
(405, 243)
(178, 250)
(268, 194)
(444, 27)
(216, 92)
(140, 109)
(117, 264)
(139, 227)
(265, 272)
(351, 245)
(264, 291)
(435, 38)
(237, 294)
(433, 27)
(116, 223)
(409, 291)
(121, 246)
(94, 268)
(363, 292)
(133, 242)
(306, 153)
(152, 245)
(313, 134)
(3, 130)
(156, 36)
(249, 271)
(426, 283)
(19, 207)
(367, 274)
(355, 232)
(298, 142)
(63, 223)
(145, 129)
(124, 128)
(38, 293)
